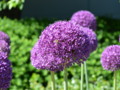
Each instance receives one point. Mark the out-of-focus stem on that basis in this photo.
(65, 79)
(53, 80)
(86, 75)
(82, 76)
(115, 81)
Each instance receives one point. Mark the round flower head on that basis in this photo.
(60, 45)
(4, 49)
(92, 38)
(84, 18)
(5, 37)
(5, 73)
(111, 58)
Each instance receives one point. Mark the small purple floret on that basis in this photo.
(4, 49)
(5, 73)
(5, 37)
(111, 58)
(84, 18)
(92, 37)
(60, 45)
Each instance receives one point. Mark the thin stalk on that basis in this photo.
(82, 76)
(53, 80)
(86, 75)
(115, 81)
(65, 79)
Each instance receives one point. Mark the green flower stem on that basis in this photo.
(115, 81)
(65, 79)
(82, 76)
(53, 80)
(86, 75)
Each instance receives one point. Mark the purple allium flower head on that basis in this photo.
(84, 18)
(5, 73)
(92, 37)
(60, 45)
(4, 49)
(4, 36)
(110, 58)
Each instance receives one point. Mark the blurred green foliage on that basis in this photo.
(11, 4)
(24, 33)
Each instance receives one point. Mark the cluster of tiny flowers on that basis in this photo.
(5, 65)
(92, 37)
(5, 37)
(5, 73)
(60, 45)
(4, 49)
(84, 18)
(110, 58)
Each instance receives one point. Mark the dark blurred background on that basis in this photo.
(61, 9)
(65, 8)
